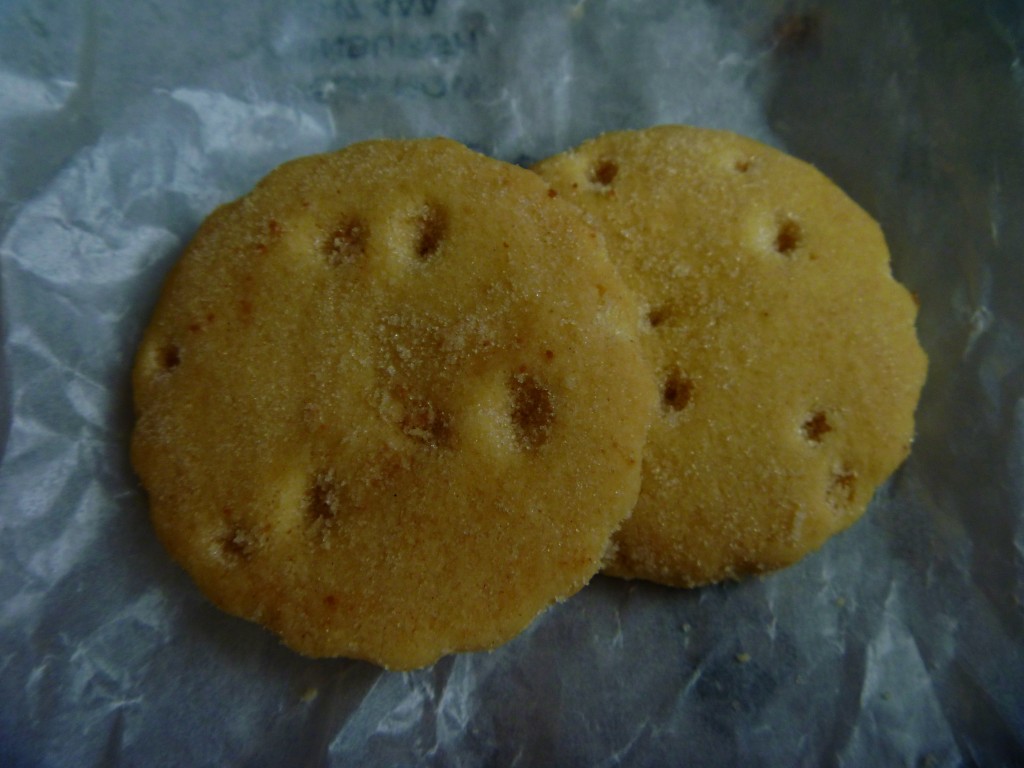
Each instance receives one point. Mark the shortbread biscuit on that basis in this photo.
(786, 352)
(392, 403)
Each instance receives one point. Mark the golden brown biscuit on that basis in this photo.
(788, 361)
(392, 403)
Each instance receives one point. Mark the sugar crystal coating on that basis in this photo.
(786, 352)
(392, 403)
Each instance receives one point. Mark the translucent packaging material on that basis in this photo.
(123, 124)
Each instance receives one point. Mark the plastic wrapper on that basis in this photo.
(123, 124)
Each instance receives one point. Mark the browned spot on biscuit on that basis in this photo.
(431, 230)
(677, 390)
(322, 499)
(323, 506)
(234, 544)
(842, 488)
(427, 424)
(237, 544)
(169, 357)
(347, 243)
(200, 324)
(659, 315)
(604, 172)
(816, 426)
(533, 411)
(788, 237)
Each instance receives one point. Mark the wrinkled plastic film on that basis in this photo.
(123, 125)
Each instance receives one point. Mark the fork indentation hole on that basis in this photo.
(431, 230)
(347, 243)
(604, 172)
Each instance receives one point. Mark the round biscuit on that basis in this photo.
(392, 403)
(787, 355)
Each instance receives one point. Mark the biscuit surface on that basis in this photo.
(392, 403)
(786, 352)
